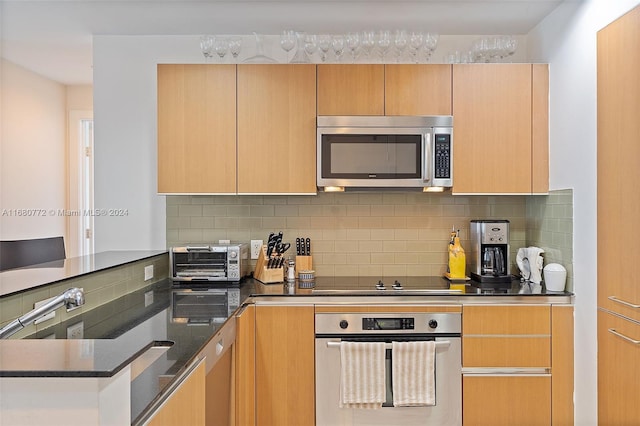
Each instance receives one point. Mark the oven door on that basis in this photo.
(448, 378)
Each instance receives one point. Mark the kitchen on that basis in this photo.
(566, 40)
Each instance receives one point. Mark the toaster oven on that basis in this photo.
(215, 262)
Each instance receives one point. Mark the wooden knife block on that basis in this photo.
(304, 263)
(264, 274)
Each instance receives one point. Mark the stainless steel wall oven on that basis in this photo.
(443, 328)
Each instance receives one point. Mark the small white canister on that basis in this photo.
(555, 276)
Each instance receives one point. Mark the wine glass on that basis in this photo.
(310, 44)
(221, 46)
(368, 42)
(235, 44)
(206, 45)
(384, 42)
(415, 43)
(430, 43)
(324, 43)
(337, 43)
(288, 41)
(353, 43)
(400, 41)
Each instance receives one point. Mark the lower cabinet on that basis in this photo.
(275, 366)
(517, 365)
(618, 370)
(506, 399)
(186, 404)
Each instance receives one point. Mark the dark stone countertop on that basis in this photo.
(29, 277)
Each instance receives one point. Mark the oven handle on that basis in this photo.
(440, 343)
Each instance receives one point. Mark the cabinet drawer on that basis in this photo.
(506, 351)
(506, 320)
(506, 400)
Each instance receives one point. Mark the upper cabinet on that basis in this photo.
(196, 128)
(237, 129)
(500, 128)
(384, 89)
(276, 129)
(350, 89)
(251, 128)
(417, 89)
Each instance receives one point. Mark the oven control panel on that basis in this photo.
(388, 324)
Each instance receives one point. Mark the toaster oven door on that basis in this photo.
(199, 264)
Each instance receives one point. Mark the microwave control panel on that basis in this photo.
(442, 156)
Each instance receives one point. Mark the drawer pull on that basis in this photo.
(622, 302)
(622, 336)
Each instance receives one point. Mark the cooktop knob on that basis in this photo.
(344, 324)
(433, 323)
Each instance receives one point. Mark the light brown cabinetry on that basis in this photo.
(196, 128)
(618, 370)
(515, 358)
(245, 367)
(618, 66)
(501, 126)
(186, 404)
(277, 129)
(274, 366)
(236, 129)
(618, 172)
(377, 89)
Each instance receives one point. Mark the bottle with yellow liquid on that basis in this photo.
(457, 260)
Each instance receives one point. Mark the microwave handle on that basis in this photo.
(426, 150)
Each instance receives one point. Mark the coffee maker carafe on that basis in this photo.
(490, 251)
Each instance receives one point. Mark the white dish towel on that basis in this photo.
(413, 373)
(362, 379)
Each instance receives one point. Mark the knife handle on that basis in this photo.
(307, 250)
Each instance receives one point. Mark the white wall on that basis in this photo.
(567, 40)
(32, 154)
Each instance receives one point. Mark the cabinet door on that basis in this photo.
(196, 128)
(506, 336)
(245, 366)
(618, 370)
(285, 365)
(417, 89)
(351, 89)
(492, 105)
(618, 172)
(506, 400)
(276, 129)
(186, 404)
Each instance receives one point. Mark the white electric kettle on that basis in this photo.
(529, 261)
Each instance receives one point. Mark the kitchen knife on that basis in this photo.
(298, 246)
(270, 248)
(308, 247)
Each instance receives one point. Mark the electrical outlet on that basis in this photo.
(75, 331)
(224, 241)
(256, 246)
(148, 298)
(148, 272)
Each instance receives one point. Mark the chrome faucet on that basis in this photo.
(70, 298)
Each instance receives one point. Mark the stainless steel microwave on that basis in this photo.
(385, 152)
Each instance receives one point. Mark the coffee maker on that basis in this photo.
(490, 261)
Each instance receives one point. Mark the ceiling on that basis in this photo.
(54, 37)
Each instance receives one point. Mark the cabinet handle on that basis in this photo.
(628, 339)
(631, 305)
